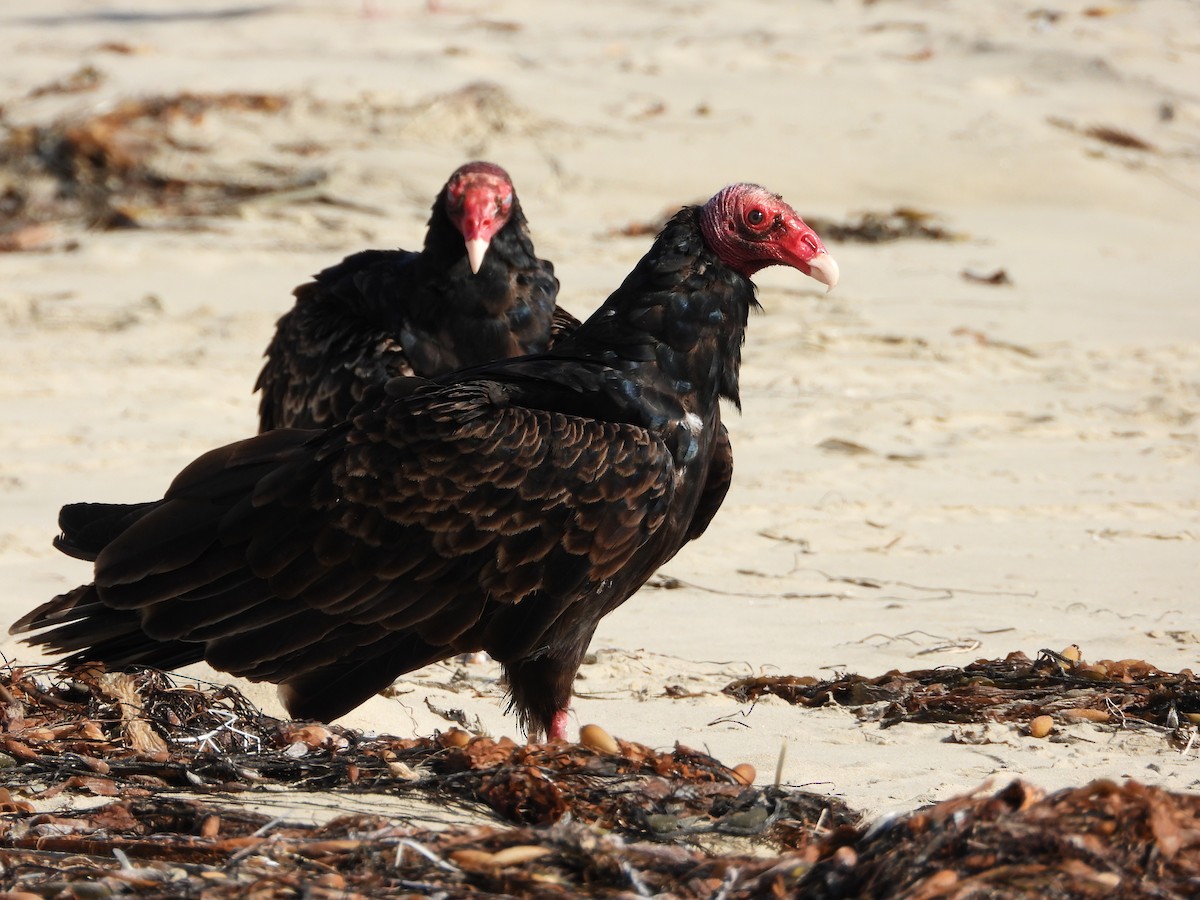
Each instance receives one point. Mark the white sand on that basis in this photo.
(1033, 477)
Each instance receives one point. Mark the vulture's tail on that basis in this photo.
(83, 629)
(87, 528)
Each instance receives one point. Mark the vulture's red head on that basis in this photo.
(479, 201)
(750, 228)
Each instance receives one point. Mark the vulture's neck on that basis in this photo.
(487, 291)
(681, 313)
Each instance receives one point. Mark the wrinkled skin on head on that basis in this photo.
(479, 200)
(750, 228)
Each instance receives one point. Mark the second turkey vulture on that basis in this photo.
(474, 293)
(506, 508)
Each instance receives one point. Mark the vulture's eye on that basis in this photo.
(756, 216)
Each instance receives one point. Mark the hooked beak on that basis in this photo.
(477, 248)
(802, 249)
(824, 268)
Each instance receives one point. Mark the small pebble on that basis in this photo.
(1040, 726)
(744, 773)
(598, 739)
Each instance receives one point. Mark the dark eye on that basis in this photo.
(756, 216)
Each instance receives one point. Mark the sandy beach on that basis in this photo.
(975, 445)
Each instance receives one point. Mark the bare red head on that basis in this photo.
(750, 228)
(479, 201)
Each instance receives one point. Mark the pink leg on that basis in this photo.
(558, 727)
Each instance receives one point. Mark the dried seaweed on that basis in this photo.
(902, 223)
(85, 78)
(1100, 840)
(1108, 134)
(162, 847)
(72, 731)
(635, 822)
(120, 168)
(1120, 693)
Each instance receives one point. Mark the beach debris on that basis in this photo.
(135, 729)
(120, 48)
(455, 737)
(841, 445)
(1040, 726)
(26, 238)
(902, 223)
(641, 822)
(1100, 840)
(1045, 17)
(158, 847)
(68, 731)
(850, 448)
(134, 164)
(984, 340)
(1129, 693)
(996, 277)
(1108, 134)
(598, 739)
(1119, 137)
(85, 78)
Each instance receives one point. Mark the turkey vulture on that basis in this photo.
(504, 508)
(476, 292)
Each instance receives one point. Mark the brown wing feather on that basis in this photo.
(403, 535)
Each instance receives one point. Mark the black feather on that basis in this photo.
(384, 313)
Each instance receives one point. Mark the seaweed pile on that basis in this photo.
(139, 162)
(1100, 840)
(170, 766)
(154, 746)
(1128, 693)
